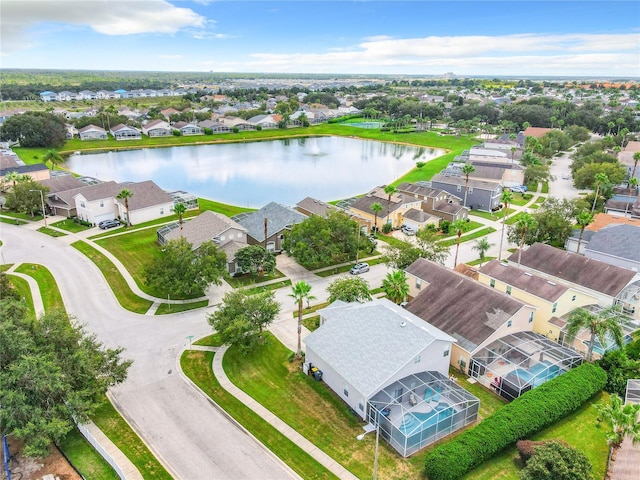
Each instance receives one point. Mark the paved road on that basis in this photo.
(563, 187)
(192, 437)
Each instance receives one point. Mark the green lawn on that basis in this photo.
(250, 279)
(579, 430)
(212, 340)
(51, 232)
(269, 287)
(311, 323)
(129, 300)
(197, 366)
(23, 289)
(311, 309)
(477, 262)
(471, 236)
(497, 217)
(514, 218)
(85, 458)
(167, 308)
(120, 433)
(12, 221)
(46, 283)
(521, 199)
(22, 216)
(489, 401)
(70, 226)
(310, 408)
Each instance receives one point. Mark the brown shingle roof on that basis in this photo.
(62, 183)
(526, 281)
(145, 194)
(315, 207)
(459, 306)
(204, 227)
(574, 268)
(536, 131)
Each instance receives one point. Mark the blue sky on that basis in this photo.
(570, 38)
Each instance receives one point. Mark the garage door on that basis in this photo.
(100, 218)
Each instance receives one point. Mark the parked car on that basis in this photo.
(519, 189)
(108, 224)
(408, 230)
(359, 268)
(566, 176)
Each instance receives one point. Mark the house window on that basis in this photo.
(161, 211)
(82, 204)
(361, 405)
(492, 283)
(418, 283)
(470, 189)
(345, 390)
(417, 359)
(555, 307)
(239, 234)
(101, 203)
(459, 188)
(446, 351)
(508, 290)
(221, 237)
(530, 317)
(509, 323)
(573, 299)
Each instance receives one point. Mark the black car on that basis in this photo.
(108, 224)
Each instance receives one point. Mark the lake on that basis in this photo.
(253, 174)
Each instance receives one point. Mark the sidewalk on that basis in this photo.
(274, 421)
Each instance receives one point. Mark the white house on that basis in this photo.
(188, 128)
(92, 132)
(95, 203)
(147, 203)
(157, 128)
(124, 132)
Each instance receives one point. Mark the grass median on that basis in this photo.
(127, 299)
(49, 290)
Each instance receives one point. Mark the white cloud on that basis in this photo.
(116, 17)
(575, 54)
(170, 57)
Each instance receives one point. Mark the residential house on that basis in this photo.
(147, 203)
(157, 128)
(125, 132)
(473, 313)
(436, 203)
(72, 131)
(392, 211)
(625, 157)
(186, 128)
(239, 123)
(500, 144)
(227, 234)
(495, 341)
(266, 121)
(87, 95)
(92, 132)
(266, 226)
(615, 244)
(37, 171)
(106, 95)
(167, 112)
(310, 206)
(551, 299)
(48, 96)
(60, 198)
(482, 195)
(391, 369)
(66, 96)
(93, 203)
(609, 284)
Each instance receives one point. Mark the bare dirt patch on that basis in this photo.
(27, 468)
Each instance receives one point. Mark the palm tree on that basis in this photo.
(300, 292)
(606, 322)
(506, 199)
(389, 190)
(600, 179)
(482, 246)
(636, 159)
(125, 194)
(458, 227)
(632, 184)
(467, 169)
(376, 208)
(513, 149)
(53, 157)
(179, 208)
(395, 286)
(583, 219)
(525, 223)
(623, 421)
(12, 177)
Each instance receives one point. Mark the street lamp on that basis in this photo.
(367, 429)
(44, 214)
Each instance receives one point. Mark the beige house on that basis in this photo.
(435, 202)
(400, 204)
(551, 299)
(472, 313)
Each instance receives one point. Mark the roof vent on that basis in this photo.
(528, 274)
(403, 324)
(550, 282)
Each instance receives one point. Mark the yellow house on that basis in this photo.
(474, 314)
(550, 298)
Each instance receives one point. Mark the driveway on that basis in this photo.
(192, 438)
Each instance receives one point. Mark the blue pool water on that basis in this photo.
(415, 422)
(537, 374)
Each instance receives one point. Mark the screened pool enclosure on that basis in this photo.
(516, 363)
(419, 409)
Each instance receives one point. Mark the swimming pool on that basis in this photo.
(418, 421)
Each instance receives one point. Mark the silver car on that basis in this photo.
(359, 268)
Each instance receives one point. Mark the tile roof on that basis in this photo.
(205, 226)
(278, 218)
(574, 268)
(463, 308)
(368, 343)
(526, 281)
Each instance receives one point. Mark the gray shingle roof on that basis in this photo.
(366, 343)
(621, 241)
(145, 194)
(204, 227)
(316, 207)
(574, 268)
(417, 215)
(95, 192)
(278, 218)
(62, 183)
(459, 306)
(477, 184)
(531, 283)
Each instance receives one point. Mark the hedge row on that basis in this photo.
(526, 415)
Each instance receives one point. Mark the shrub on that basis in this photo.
(444, 226)
(386, 228)
(526, 415)
(528, 448)
(236, 129)
(177, 133)
(208, 131)
(557, 461)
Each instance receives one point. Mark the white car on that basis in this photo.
(408, 230)
(566, 176)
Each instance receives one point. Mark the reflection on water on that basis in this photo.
(255, 173)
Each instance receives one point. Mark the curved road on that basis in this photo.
(192, 438)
